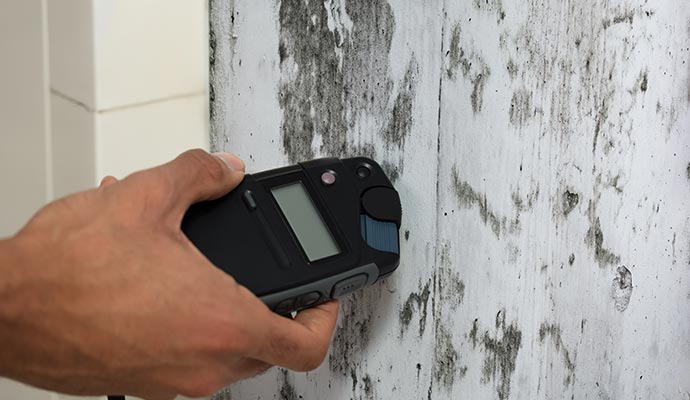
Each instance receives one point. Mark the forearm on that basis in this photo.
(10, 264)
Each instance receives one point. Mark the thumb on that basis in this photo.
(197, 176)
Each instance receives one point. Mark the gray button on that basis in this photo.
(285, 306)
(308, 299)
(349, 285)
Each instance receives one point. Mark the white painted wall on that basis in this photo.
(543, 157)
(90, 88)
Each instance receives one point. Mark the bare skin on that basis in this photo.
(101, 293)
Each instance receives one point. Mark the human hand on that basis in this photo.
(101, 293)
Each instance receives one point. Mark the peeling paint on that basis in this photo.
(621, 288)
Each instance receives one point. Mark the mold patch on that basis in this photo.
(470, 65)
(456, 56)
(500, 353)
(468, 197)
(400, 121)
(329, 78)
(495, 6)
(569, 201)
(416, 302)
(554, 332)
(353, 334)
(287, 389)
(595, 239)
(521, 108)
(446, 367)
(449, 285)
(621, 288)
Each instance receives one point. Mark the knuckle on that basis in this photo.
(209, 166)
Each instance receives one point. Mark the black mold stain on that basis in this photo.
(595, 239)
(391, 170)
(473, 333)
(456, 56)
(451, 289)
(602, 115)
(569, 202)
(458, 59)
(621, 288)
(478, 82)
(554, 332)
(419, 301)
(627, 16)
(400, 122)
(571, 259)
(521, 109)
(687, 171)
(468, 197)
(500, 353)
(353, 334)
(445, 359)
(328, 92)
(287, 390)
(526, 204)
(368, 387)
(512, 69)
(643, 82)
(492, 5)
(407, 235)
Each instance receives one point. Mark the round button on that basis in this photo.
(363, 171)
(328, 178)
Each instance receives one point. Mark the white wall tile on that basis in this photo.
(135, 138)
(149, 50)
(71, 42)
(73, 147)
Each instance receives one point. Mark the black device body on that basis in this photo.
(269, 241)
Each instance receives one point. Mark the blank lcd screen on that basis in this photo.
(305, 220)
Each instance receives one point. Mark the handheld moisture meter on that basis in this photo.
(300, 235)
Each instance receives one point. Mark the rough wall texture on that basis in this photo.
(542, 150)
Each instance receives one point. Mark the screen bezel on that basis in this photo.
(325, 214)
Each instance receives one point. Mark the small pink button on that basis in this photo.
(328, 178)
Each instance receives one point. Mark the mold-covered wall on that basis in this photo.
(542, 152)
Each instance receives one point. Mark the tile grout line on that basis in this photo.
(126, 106)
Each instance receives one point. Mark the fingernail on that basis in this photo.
(233, 162)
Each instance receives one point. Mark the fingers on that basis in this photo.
(300, 344)
(197, 175)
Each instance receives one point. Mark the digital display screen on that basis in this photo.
(306, 221)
